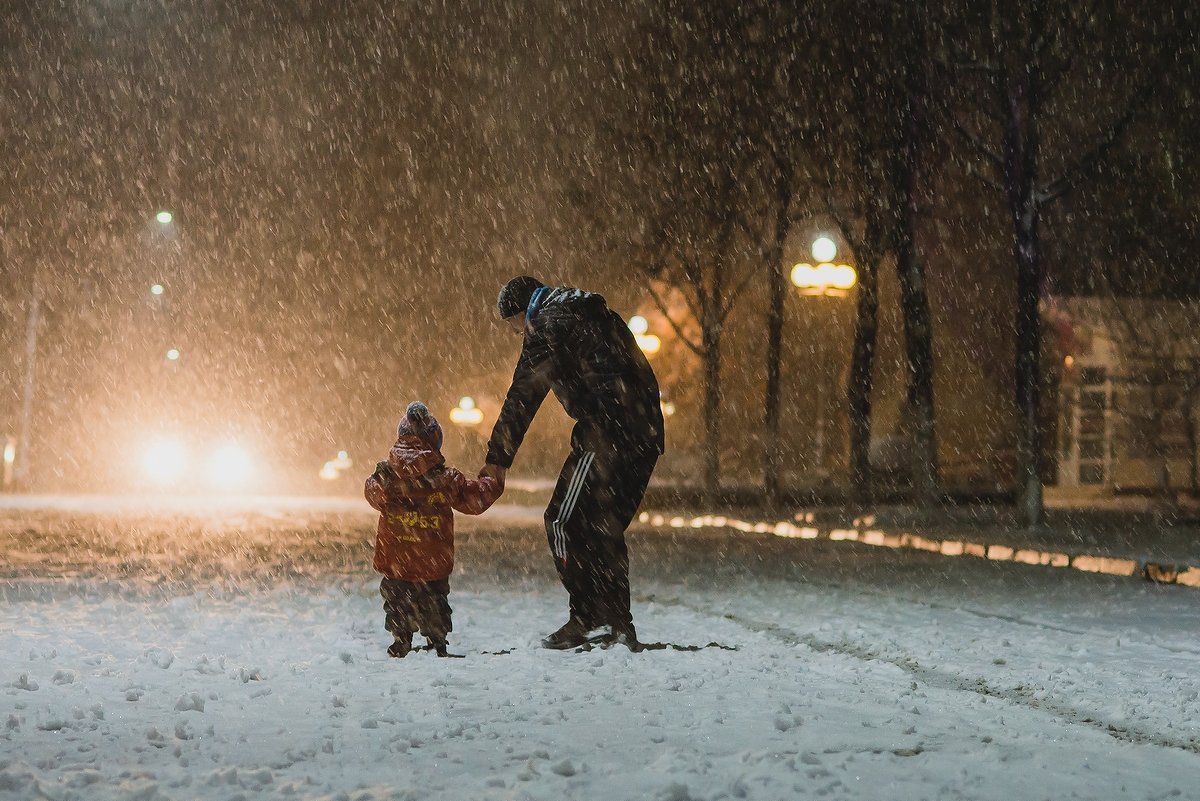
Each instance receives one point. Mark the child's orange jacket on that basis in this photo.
(414, 540)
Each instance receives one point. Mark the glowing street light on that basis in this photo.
(342, 462)
(826, 278)
(649, 343)
(328, 472)
(466, 413)
(173, 355)
(824, 249)
(157, 289)
(164, 217)
(10, 456)
(229, 466)
(164, 462)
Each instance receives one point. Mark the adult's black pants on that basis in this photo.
(597, 495)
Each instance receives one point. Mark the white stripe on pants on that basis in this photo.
(568, 504)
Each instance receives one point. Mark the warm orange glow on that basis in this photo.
(824, 249)
(229, 466)
(649, 343)
(638, 325)
(164, 462)
(1185, 575)
(328, 472)
(824, 279)
(466, 413)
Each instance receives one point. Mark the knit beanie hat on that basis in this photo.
(514, 296)
(418, 422)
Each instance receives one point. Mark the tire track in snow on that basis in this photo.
(938, 678)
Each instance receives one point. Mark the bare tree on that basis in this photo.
(1010, 63)
(691, 176)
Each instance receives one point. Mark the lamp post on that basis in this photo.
(823, 279)
(649, 343)
(467, 416)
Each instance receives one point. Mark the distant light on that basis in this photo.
(157, 289)
(328, 472)
(638, 324)
(649, 343)
(173, 355)
(342, 462)
(1069, 361)
(804, 275)
(229, 466)
(824, 249)
(824, 279)
(466, 413)
(164, 462)
(668, 408)
(10, 452)
(844, 276)
(164, 217)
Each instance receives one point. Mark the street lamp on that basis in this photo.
(157, 289)
(173, 355)
(10, 456)
(649, 343)
(466, 413)
(164, 217)
(824, 249)
(824, 279)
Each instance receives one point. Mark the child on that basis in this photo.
(414, 492)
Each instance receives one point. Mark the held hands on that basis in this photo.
(495, 472)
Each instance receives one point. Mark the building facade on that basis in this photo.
(1129, 396)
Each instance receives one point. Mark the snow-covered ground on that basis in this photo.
(240, 654)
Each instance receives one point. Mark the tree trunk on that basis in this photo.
(1189, 427)
(914, 296)
(1020, 176)
(1028, 367)
(712, 410)
(777, 278)
(862, 367)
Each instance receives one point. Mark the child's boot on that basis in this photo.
(439, 645)
(401, 646)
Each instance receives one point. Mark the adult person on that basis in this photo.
(574, 344)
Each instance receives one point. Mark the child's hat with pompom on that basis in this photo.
(419, 422)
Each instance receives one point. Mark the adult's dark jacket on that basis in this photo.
(578, 347)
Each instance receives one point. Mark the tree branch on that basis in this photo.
(676, 327)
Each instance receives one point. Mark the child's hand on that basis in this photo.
(383, 472)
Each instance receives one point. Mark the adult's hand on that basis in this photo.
(494, 471)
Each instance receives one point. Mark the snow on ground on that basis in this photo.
(857, 674)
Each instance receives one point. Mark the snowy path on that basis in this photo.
(859, 675)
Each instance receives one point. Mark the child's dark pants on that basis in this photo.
(411, 606)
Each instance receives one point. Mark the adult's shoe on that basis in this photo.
(571, 634)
